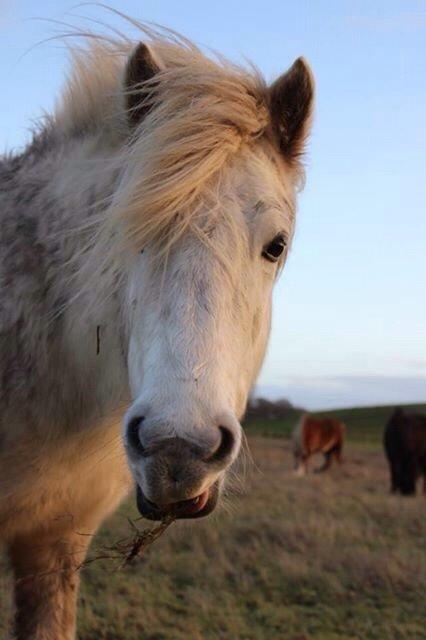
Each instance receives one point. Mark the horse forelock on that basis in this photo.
(204, 111)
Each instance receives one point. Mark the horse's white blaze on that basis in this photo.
(200, 323)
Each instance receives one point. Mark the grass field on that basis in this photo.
(325, 557)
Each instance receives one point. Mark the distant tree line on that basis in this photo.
(263, 409)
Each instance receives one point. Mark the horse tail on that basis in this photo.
(342, 434)
(335, 430)
(337, 448)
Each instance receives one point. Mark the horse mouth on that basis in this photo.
(197, 507)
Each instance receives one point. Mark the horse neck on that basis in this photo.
(49, 196)
(96, 331)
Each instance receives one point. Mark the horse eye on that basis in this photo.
(274, 249)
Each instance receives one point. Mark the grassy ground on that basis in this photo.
(324, 557)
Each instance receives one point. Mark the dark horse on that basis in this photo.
(405, 446)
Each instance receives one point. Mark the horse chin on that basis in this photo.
(198, 507)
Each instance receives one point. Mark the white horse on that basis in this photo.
(142, 232)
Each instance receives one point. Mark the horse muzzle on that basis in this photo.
(176, 476)
(198, 507)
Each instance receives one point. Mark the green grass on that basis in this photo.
(326, 557)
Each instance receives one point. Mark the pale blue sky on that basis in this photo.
(349, 322)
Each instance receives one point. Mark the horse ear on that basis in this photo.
(291, 101)
(141, 67)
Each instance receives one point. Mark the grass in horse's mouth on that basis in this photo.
(128, 549)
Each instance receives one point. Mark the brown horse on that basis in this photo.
(317, 435)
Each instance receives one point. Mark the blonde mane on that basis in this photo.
(204, 111)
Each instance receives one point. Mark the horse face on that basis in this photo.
(200, 311)
(199, 328)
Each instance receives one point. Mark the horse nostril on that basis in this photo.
(175, 476)
(133, 434)
(226, 446)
